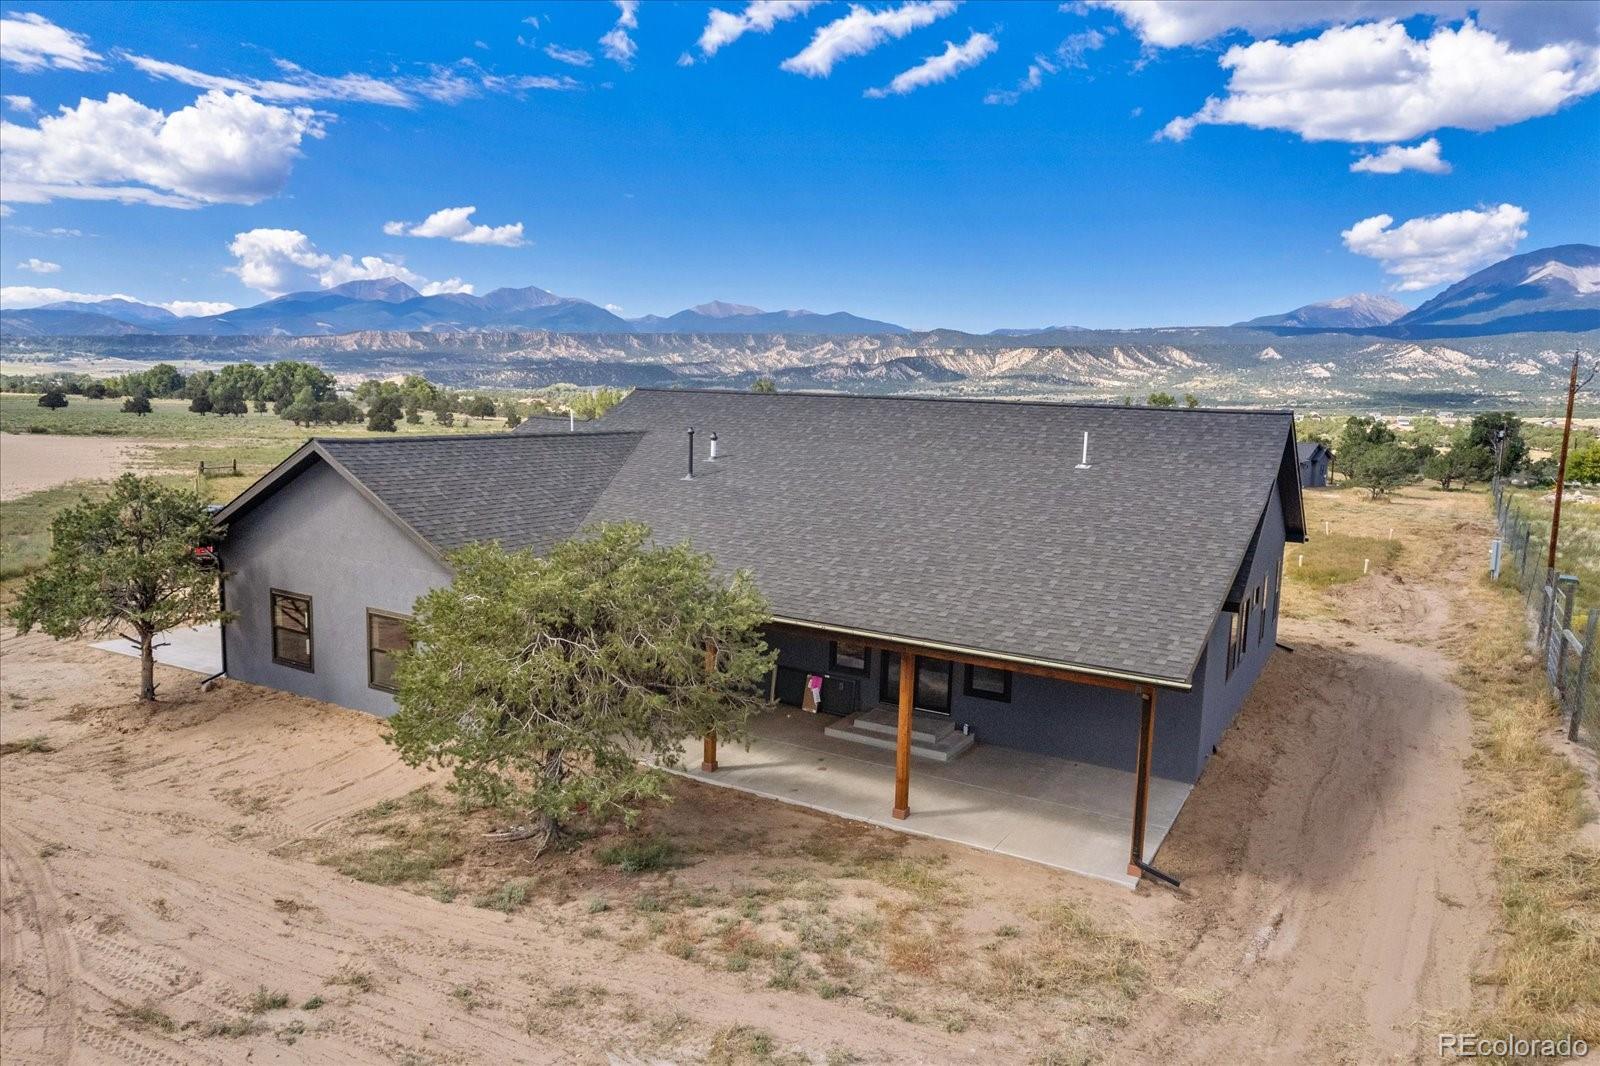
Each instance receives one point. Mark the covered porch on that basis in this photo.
(1070, 815)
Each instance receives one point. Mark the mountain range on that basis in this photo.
(1554, 288)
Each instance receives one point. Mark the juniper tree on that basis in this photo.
(541, 682)
(125, 565)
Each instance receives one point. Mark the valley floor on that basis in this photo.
(168, 875)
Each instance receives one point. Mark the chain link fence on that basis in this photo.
(1565, 638)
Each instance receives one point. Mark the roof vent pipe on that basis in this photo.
(1085, 464)
(713, 456)
(572, 421)
(690, 475)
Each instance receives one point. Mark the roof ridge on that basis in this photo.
(506, 435)
(977, 400)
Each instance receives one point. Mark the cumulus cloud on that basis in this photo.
(1071, 52)
(32, 42)
(1395, 158)
(20, 296)
(861, 31)
(573, 57)
(197, 308)
(223, 148)
(276, 261)
(759, 16)
(617, 44)
(1176, 23)
(1374, 82)
(455, 224)
(20, 103)
(1436, 249)
(947, 64)
(39, 266)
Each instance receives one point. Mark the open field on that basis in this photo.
(245, 872)
(1579, 551)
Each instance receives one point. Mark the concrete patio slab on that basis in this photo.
(1069, 815)
(196, 648)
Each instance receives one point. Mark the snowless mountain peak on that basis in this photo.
(1357, 311)
(722, 309)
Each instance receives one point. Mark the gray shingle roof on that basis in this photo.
(523, 491)
(966, 523)
(1308, 449)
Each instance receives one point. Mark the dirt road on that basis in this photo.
(1335, 902)
(33, 461)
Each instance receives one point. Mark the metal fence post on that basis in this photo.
(1585, 665)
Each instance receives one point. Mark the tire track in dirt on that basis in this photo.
(31, 904)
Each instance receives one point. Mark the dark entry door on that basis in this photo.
(933, 683)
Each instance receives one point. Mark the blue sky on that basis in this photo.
(893, 159)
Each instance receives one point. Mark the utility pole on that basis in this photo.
(1561, 465)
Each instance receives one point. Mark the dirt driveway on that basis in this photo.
(1335, 902)
(33, 461)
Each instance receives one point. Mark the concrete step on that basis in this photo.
(925, 728)
(945, 748)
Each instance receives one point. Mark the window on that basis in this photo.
(386, 634)
(1261, 608)
(848, 657)
(988, 683)
(291, 630)
(1233, 643)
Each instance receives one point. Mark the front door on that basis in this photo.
(933, 683)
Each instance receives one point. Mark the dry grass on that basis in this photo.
(1336, 558)
(1548, 973)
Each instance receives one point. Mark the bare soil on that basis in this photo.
(160, 869)
(33, 461)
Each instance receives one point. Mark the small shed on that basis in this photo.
(1315, 463)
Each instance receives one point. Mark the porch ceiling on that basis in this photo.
(1069, 815)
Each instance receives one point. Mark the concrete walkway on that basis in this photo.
(197, 648)
(1065, 814)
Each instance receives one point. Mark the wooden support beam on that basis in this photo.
(902, 743)
(1141, 783)
(708, 759)
(911, 651)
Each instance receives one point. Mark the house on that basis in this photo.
(1315, 463)
(1059, 577)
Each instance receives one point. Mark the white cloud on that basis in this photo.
(616, 44)
(197, 308)
(32, 42)
(1069, 53)
(1433, 250)
(298, 85)
(1393, 159)
(18, 297)
(451, 84)
(20, 103)
(861, 31)
(947, 64)
(455, 224)
(1175, 23)
(613, 308)
(1374, 82)
(275, 261)
(39, 266)
(574, 57)
(759, 16)
(223, 148)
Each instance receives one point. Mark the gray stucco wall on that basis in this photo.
(319, 537)
(1314, 472)
(1225, 695)
(1083, 722)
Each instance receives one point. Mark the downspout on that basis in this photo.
(222, 608)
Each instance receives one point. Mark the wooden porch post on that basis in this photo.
(902, 744)
(1141, 784)
(708, 758)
